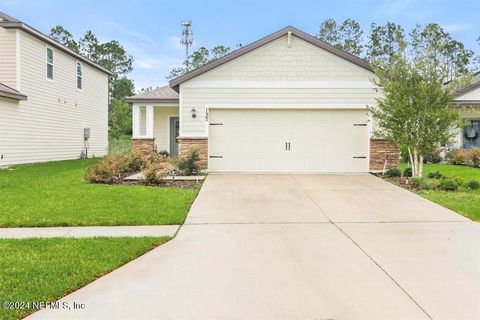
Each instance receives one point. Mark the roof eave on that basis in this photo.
(37, 34)
(14, 96)
(175, 83)
(140, 100)
(466, 103)
(467, 89)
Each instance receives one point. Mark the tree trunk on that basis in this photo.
(420, 166)
(417, 164)
(410, 155)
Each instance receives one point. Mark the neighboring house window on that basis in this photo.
(49, 63)
(471, 135)
(143, 121)
(79, 75)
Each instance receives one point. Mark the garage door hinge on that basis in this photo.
(359, 124)
(216, 124)
(359, 157)
(218, 157)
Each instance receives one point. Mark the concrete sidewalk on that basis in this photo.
(85, 232)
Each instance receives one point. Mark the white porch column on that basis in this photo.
(135, 121)
(149, 122)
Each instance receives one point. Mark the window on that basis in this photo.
(79, 75)
(49, 63)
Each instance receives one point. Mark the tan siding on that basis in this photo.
(277, 76)
(161, 126)
(471, 95)
(8, 65)
(49, 125)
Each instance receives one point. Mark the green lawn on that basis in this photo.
(464, 201)
(56, 194)
(47, 269)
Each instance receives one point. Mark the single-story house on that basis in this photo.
(468, 99)
(285, 103)
(53, 101)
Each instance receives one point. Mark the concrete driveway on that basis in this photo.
(299, 247)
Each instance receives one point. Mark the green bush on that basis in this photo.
(434, 175)
(154, 173)
(188, 165)
(472, 185)
(392, 173)
(474, 157)
(448, 185)
(417, 182)
(408, 172)
(434, 157)
(432, 184)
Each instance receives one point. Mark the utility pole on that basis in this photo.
(187, 37)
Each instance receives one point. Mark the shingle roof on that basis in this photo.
(162, 94)
(276, 35)
(7, 92)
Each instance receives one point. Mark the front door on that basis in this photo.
(174, 132)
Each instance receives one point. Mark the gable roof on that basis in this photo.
(162, 94)
(475, 83)
(8, 92)
(8, 22)
(274, 36)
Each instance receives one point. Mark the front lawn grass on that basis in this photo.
(465, 202)
(47, 269)
(56, 194)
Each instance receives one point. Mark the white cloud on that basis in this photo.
(455, 27)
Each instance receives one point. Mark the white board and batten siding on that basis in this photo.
(50, 124)
(278, 77)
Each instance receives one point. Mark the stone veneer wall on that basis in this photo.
(186, 145)
(144, 146)
(379, 149)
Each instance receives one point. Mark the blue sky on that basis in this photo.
(150, 30)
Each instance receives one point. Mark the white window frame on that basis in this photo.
(48, 63)
(76, 75)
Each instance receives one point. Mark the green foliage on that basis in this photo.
(123, 87)
(188, 165)
(407, 172)
(472, 185)
(60, 34)
(418, 182)
(347, 36)
(433, 157)
(458, 180)
(434, 175)
(121, 144)
(154, 173)
(392, 173)
(385, 42)
(448, 185)
(198, 59)
(120, 119)
(110, 169)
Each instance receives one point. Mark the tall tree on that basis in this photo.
(63, 36)
(347, 36)
(385, 42)
(198, 59)
(415, 108)
(435, 48)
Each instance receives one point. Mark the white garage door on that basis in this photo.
(251, 140)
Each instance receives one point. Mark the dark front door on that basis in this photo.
(174, 132)
(471, 135)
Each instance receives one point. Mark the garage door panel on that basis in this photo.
(320, 140)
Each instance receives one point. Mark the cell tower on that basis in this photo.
(187, 36)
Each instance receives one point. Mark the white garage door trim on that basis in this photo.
(288, 140)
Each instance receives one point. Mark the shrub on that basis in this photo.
(188, 165)
(408, 172)
(417, 182)
(154, 173)
(106, 171)
(459, 156)
(474, 157)
(449, 185)
(129, 162)
(163, 153)
(458, 180)
(472, 185)
(434, 157)
(434, 175)
(432, 184)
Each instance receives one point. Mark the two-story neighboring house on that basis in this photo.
(53, 101)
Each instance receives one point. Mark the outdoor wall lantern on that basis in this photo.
(194, 113)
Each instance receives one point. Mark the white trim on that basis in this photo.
(46, 63)
(135, 121)
(180, 108)
(17, 57)
(325, 106)
(76, 75)
(169, 129)
(330, 84)
(149, 121)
